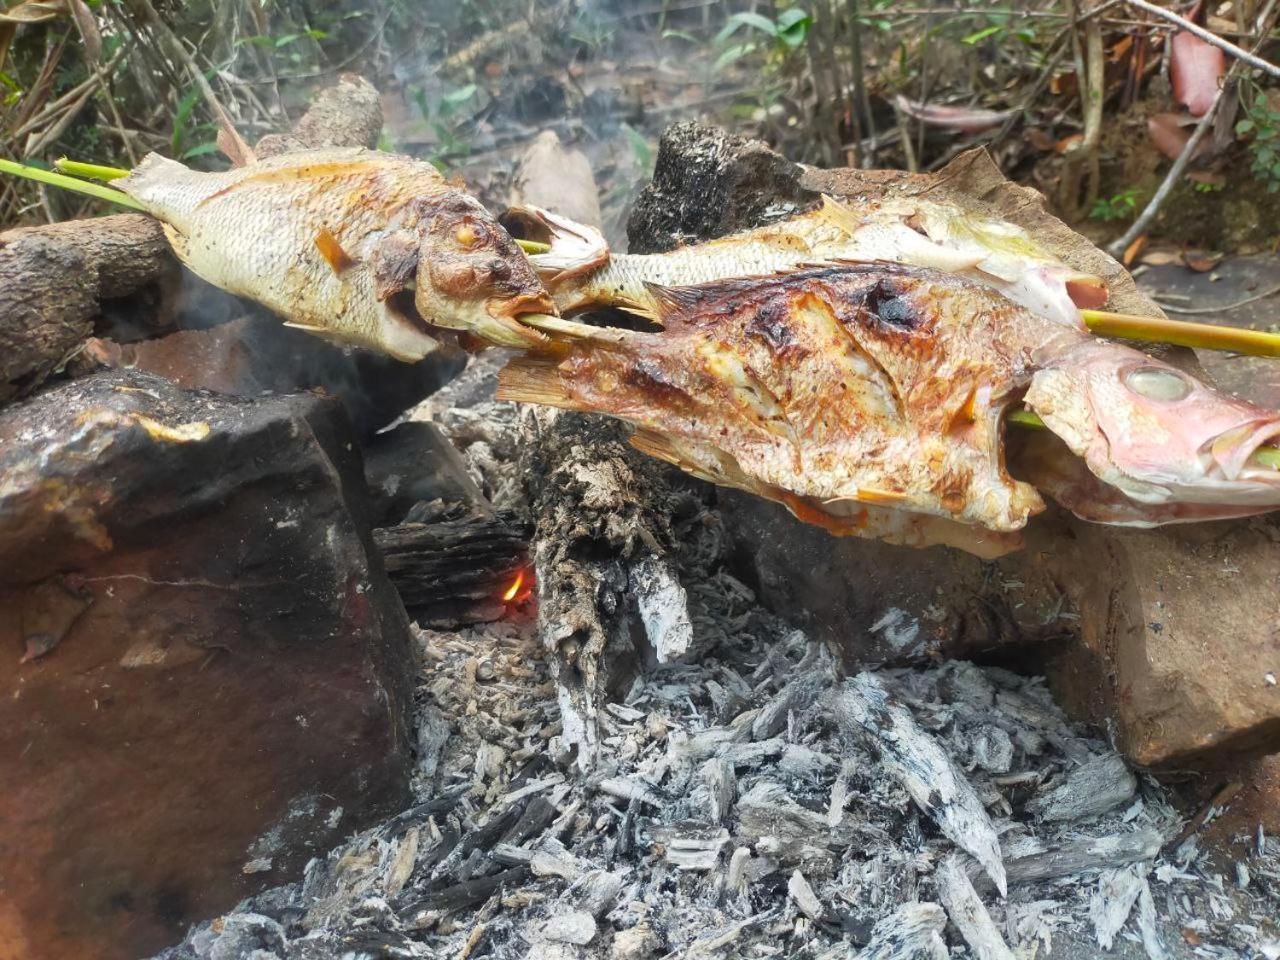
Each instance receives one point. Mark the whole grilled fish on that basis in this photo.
(354, 245)
(581, 273)
(869, 398)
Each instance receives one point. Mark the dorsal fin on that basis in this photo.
(230, 142)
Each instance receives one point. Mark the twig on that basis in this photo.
(1140, 225)
(1221, 307)
(1208, 36)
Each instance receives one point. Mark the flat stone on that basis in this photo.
(206, 665)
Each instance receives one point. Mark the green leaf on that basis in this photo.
(732, 55)
(981, 35)
(1244, 126)
(201, 149)
(793, 26)
(746, 19)
(455, 98)
(679, 35)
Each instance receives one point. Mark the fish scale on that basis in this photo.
(327, 238)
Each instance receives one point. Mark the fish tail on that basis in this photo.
(532, 379)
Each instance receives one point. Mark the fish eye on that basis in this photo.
(466, 236)
(1158, 383)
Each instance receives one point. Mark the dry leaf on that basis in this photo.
(1134, 249)
(1210, 177)
(1161, 257)
(1069, 143)
(962, 119)
(1196, 69)
(1040, 139)
(1201, 261)
(88, 28)
(1170, 136)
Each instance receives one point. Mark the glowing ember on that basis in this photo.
(514, 590)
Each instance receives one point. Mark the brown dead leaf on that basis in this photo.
(1196, 69)
(1117, 52)
(88, 28)
(961, 119)
(1161, 257)
(1134, 250)
(1212, 178)
(1040, 139)
(1201, 261)
(1169, 135)
(1191, 937)
(1069, 143)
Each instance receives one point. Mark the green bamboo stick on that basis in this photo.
(533, 246)
(89, 171)
(64, 182)
(1206, 336)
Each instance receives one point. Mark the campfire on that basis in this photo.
(591, 634)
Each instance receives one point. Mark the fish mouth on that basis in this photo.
(1247, 453)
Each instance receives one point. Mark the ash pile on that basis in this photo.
(755, 802)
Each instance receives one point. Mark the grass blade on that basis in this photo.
(70, 183)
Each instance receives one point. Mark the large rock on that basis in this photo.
(207, 672)
(256, 353)
(1168, 634)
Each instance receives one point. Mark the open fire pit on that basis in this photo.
(404, 670)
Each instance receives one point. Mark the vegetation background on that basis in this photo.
(1090, 101)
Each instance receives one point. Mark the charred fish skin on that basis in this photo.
(360, 247)
(833, 390)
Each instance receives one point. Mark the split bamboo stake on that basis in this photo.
(89, 171)
(1183, 333)
(70, 183)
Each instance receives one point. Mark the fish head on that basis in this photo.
(1155, 433)
(472, 276)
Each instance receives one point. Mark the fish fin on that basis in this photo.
(661, 447)
(576, 249)
(230, 142)
(178, 241)
(324, 333)
(535, 380)
(331, 249)
(837, 214)
(669, 302)
(1087, 291)
(395, 263)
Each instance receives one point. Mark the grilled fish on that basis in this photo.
(581, 273)
(357, 246)
(1166, 447)
(869, 398)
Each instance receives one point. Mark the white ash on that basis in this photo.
(735, 811)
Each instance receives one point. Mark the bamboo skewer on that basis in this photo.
(89, 171)
(1182, 333)
(109, 194)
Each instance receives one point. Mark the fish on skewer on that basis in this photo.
(581, 273)
(869, 398)
(354, 245)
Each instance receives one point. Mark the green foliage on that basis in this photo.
(1122, 206)
(1261, 124)
(447, 118)
(787, 33)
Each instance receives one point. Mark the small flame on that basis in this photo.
(514, 590)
